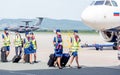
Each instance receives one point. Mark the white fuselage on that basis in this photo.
(101, 17)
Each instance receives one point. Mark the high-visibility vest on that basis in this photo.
(27, 43)
(34, 44)
(6, 40)
(18, 41)
(75, 44)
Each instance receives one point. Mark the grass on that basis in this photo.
(67, 31)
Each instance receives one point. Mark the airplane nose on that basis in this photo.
(90, 16)
(87, 16)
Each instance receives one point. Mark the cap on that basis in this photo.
(16, 31)
(76, 31)
(5, 29)
(31, 32)
(58, 30)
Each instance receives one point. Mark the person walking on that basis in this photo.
(75, 40)
(57, 42)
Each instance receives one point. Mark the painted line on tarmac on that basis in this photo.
(21, 73)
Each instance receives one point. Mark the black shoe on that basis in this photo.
(79, 67)
(54, 65)
(31, 63)
(69, 66)
(5, 61)
(35, 62)
(60, 67)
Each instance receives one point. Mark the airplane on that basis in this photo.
(103, 16)
(26, 28)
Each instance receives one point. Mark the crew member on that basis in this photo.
(34, 46)
(27, 48)
(18, 44)
(6, 41)
(75, 40)
(58, 48)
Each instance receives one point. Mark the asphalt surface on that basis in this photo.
(66, 71)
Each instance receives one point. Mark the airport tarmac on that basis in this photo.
(88, 57)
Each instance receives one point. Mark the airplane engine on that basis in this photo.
(109, 36)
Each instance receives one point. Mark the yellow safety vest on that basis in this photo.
(18, 41)
(6, 40)
(34, 44)
(27, 44)
(75, 45)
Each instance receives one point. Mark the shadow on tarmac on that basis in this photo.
(66, 71)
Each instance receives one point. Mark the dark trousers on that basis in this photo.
(18, 50)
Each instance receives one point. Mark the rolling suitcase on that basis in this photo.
(65, 59)
(27, 58)
(3, 55)
(16, 59)
(51, 60)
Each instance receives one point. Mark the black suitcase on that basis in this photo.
(27, 58)
(16, 59)
(52, 58)
(3, 55)
(65, 59)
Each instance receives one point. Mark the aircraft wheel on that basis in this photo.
(97, 48)
(101, 48)
(115, 47)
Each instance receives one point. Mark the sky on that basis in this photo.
(56, 9)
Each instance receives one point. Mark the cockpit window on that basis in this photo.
(92, 3)
(114, 3)
(108, 3)
(105, 2)
(99, 3)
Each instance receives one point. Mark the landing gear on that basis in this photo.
(115, 47)
(99, 48)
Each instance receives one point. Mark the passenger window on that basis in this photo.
(114, 3)
(99, 3)
(108, 3)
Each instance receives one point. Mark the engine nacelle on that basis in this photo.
(109, 36)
